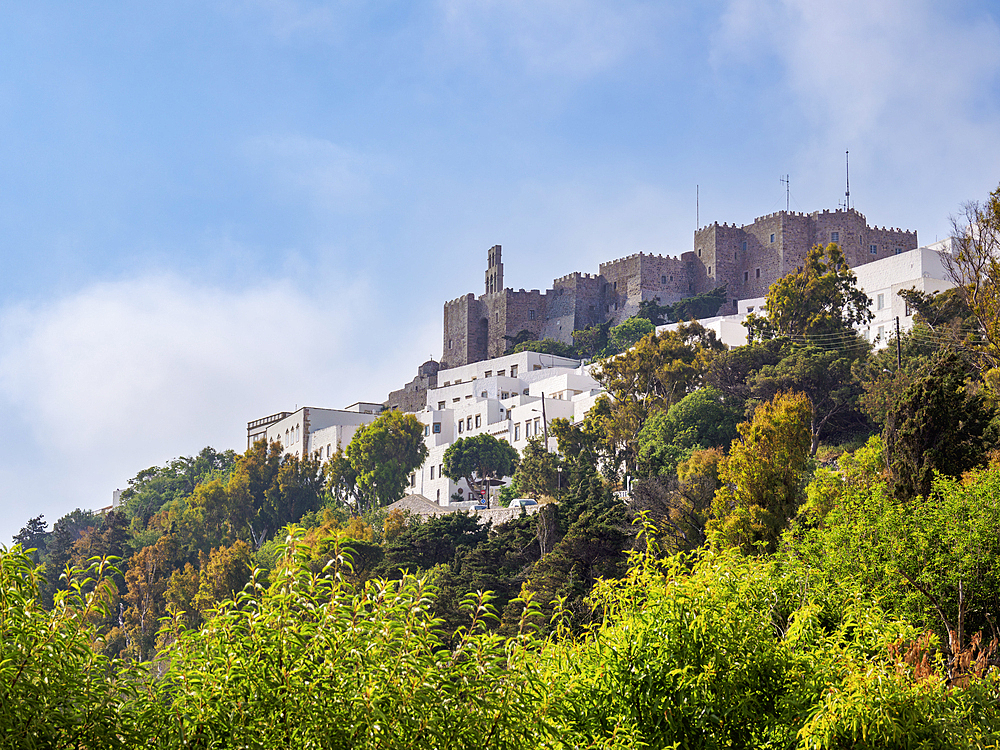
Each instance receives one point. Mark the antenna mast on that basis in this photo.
(786, 181)
(697, 207)
(847, 195)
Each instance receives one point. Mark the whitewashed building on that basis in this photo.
(512, 398)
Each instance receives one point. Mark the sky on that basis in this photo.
(214, 211)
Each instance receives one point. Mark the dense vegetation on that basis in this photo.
(788, 544)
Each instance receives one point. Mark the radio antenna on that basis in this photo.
(786, 181)
(847, 195)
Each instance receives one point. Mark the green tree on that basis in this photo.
(384, 453)
(34, 535)
(823, 375)
(940, 424)
(479, 460)
(436, 541)
(762, 478)
(703, 305)
(974, 265)
(625, 335)
(547, 346)
(655, 374)
(537, 473)
(820, 302)
(591, 342)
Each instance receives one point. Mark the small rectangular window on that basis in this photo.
(513, 371)
(880, 302)
(663, 279)
(881, 333)
(440, 405)
(488, 374)
(772, 238)
(834, 236)
(709, 270)
(873, 249)
(531, 314)
(517, 432)
(437, 428)
(432, 472)
(478, 417)
(616, 286)
(699, 252)
(746, 276)
(461, 424)
(501, 373)
(537, 420)
(758, 273)
(427, 430)
(899, 250)
(744, 246)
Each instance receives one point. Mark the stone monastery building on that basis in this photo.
(745, 259)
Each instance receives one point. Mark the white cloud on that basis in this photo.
(329, 177)
(569, 37)
(908, 86)
(120, 376)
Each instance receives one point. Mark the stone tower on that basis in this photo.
(494, 271)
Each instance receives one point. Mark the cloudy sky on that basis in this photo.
(212, 211)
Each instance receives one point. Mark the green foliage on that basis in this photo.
(33, 536)
(817, 304)
(591, 342)
(763, 475)
(478, 460)
(655, 374)
(939, 424)
(546, 346)
(56, 690)
(702, 305)
(537, 473)
(383, 454)
(436, 541)
(625, 335)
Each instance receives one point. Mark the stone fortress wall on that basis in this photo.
(745, 259)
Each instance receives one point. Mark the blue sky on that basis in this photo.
(214, 211)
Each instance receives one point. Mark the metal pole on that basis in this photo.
(899, 355)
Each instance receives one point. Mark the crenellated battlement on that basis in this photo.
(745, 258)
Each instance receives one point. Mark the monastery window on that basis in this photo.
(746, 276)
(468, 423)
(457, 381)
(873, 249)
(432, 473)
(461, 425)
(513, 371)
(899, 250)
(880, 302)
(671, 278)
(743, 247)
(699, 252)
(440, 405)
(498, 316)
(439, 497)
(449, 343)
(517, 432)
(881, 333)
(483, 394)
(447, 383)
(772, 238)
(616, 286)
(531, 314)
(758, 273)
(663, 279)
(327, 450)
(437, 428)
(709, 270)
(536, 425)
(478, 420)
(525, 391)
(413, 480)
(488, 374)
(504, 395)
(537, 367)
(834, 236)
(501, 373)
(440, 470)
(456, 399)
(427, 431)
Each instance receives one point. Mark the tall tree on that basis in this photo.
(652, 376)
(537, 473)
(820, 302)
(939, 424)
(384, 453)
(34, 536)
(479, 460)
(974, 265)
(762, 476)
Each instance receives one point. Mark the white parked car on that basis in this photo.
(522, 502)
